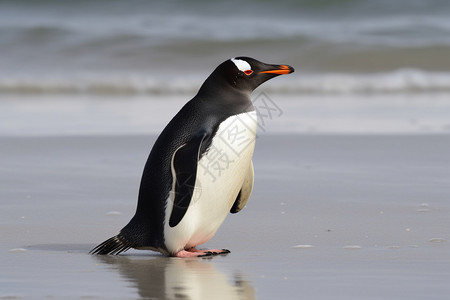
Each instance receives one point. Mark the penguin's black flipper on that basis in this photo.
(245, 192)
(184, 170)
(113, 246)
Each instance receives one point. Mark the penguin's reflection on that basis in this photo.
(174, 278)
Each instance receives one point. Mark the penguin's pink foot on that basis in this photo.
(193, 252)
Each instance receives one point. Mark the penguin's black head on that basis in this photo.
(246, 73)
(249, 73)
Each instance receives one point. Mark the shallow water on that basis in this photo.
(312, 273)
(59, 115)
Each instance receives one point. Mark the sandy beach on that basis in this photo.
(331, 217)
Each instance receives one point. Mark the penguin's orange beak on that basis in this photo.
(280, 70)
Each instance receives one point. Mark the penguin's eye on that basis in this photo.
(248, 72)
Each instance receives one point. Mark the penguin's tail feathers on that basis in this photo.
(113, 246)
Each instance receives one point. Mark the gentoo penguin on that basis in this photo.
(200, 167)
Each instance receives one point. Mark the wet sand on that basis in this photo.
(331, 217)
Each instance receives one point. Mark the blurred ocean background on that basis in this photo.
(110, 46)
(159, 48)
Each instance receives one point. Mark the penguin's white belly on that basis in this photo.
(219, 178)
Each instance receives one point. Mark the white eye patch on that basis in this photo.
(242, 65)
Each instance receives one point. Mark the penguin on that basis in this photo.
(200, 167)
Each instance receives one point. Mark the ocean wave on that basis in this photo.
(400, 81)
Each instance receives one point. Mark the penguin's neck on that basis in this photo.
(225, 97)
(216, 86)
